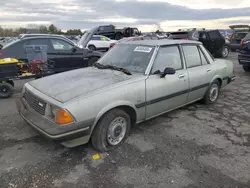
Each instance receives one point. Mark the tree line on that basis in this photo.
(32, 28)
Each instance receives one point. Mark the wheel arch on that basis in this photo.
(124, 105)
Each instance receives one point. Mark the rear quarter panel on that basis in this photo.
(223, 70)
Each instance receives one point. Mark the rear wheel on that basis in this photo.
(225, 51)
(92, 47)
(6, 90)
(212, 93)
(111, 131)
(118, 36)
(246, 68)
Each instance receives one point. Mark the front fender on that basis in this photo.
(110, 107)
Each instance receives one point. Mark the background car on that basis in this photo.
(212, 39)
(100, 43)
(239, 32)
(244, 53)
(65, 54)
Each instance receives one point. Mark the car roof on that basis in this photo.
(161, 42)
(47, 36)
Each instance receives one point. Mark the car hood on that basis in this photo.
(68, 85)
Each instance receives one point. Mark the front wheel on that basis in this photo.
(212, 93)
(246, 68)
(92, 60)
(6, 90)
(111, 130)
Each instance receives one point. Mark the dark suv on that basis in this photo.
(244, 53)
(239, 32)
(211, 39)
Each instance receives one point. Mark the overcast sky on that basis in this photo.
(148, 15)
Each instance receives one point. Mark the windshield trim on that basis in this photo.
(151, 62)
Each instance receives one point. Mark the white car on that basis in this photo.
(99, 42)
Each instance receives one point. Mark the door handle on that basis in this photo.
(181, 76)
(208, 70)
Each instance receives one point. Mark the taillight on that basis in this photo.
(241, 43)
(185, 39)
(1, 53)
(111, 45)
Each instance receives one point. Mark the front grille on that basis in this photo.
(34, 102)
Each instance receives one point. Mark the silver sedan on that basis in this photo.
(133, 82)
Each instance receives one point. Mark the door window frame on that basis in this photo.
(63, 41)
(154, 56)
(185, 57)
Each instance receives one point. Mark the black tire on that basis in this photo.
(92, 60)
(225, 51)
(100, 139)
(246, 68)
(118, 36)
(92, 47)
(208, 95)
(11, 83)
(6, 90)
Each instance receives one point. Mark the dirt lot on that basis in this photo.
(196, 146)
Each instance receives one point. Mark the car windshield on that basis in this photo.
(134, 58)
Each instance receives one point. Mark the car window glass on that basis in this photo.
(167, 57)
(247, 37)
(192, 56)
(95, 38)
(207, 53)
(61, 45)
(214, 34)
(203, 58)
(38, 42)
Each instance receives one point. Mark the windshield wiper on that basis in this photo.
(101, 66)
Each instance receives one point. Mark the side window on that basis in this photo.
(207, 53)
(95, 38)
(192, 56)
(203, 58)
(167, 57)
(61, 45)
(214, 34)
(39, 42)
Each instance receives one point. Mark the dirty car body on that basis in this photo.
(155, 76)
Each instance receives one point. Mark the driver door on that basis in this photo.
(164, 94)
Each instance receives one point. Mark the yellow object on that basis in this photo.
(8, 61)
(96, 156)
(63, 117)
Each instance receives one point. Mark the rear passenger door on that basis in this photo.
(199, 71)
(216, 41)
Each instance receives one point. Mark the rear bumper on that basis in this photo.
(49, 129)
(244, 59)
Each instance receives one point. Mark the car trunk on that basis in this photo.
(240, 31)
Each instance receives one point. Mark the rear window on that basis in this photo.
(214, 34)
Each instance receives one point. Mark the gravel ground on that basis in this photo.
(195, 146)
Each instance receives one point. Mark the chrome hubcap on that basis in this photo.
(214, 91)
(225, 52)
(116, 131)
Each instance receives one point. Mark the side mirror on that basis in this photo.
(166, 71)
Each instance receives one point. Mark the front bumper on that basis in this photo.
(48, 128)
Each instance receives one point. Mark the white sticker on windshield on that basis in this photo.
(142, 49)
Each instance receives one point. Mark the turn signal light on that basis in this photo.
(63, 117)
